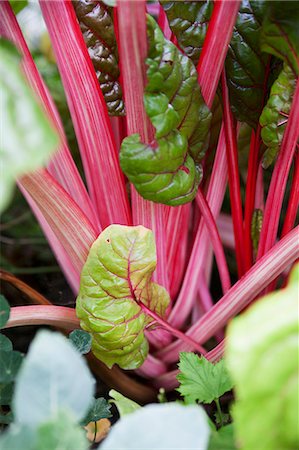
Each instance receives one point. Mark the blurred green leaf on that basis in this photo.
(5, 343)
(29, 138)
(18, 5)
(81, 341)
(222, 439)
(6, 419)
(10, 363)
(6, 393)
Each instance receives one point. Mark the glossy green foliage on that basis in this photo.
(29, 138)
(262, 357)
(246, 64)
(169, 171)
(189, 22)
(275, 114)
(96, 23)
(201, 380)
(115, 279)
(280, 33)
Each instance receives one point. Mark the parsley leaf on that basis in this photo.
(201, 380)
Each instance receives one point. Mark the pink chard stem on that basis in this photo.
(57, 316)
(87, 106)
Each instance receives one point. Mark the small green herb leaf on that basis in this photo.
(275, 114)
(54, 377)
(262, 357)
(10, 363)
(81, 341)
(100, 409)
(123, 404)
(200, 380)
(115, 280)
(5, 343)
(29, 138)
(4, 312)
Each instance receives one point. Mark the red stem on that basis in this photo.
(279, 179)
(215, 47)
(233, 176)
(293, 204)
(183, 337)
(215, 240)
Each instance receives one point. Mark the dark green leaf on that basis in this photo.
(10, 363)
(201, 380)
(4, 312)
(246, 64)
(189, 22)
(100, 409)
(124, 405)
(6, 393)
(5, 343)
(18, 5)
(222, 439)
(6, 419)
(96, 22)
(81, 340)
(275, 114)
(29, 137)
(169, 171)
(280, 32)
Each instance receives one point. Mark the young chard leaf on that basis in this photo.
(200, 380)
(189, 22)
(280, 33)
(81, 341)
(29, 138)
(100, 409)
(115, 279)
(96, 23)
(264, 367)
(246, 64)
(123, 404)
(275, 114)
(168, 171)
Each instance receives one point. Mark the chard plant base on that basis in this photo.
(138, 251)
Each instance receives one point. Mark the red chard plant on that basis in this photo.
(186, 116)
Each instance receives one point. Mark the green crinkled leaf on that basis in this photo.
(262, 357)
(81, 341)
(168, 171)
(4, 311)
(100, 409)
(280, 33)
(246, 64)
(189, 22)
(29, 138)
(115, 279)
(96, 23)
(10, 363)
(123, 404)
(275, 114)
(201, 380)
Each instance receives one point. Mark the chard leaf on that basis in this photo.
(262, 357)
(280, 33)
(168, 171)
(246, 64)
(275, 114)
(29, 139)
(115, 279)
(123, 404)
(201, 380)
(96, 23)
(189, 22)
